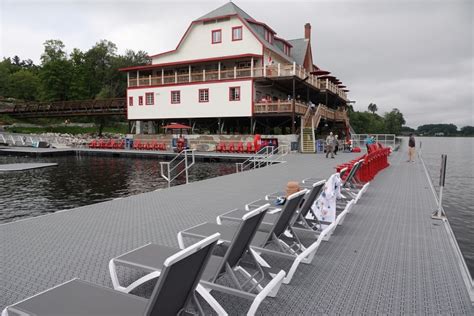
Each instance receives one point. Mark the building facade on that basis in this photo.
(232, 74)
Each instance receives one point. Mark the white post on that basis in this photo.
(294, 68)
(219, 71)
(327, 83)
(138, 78)
(128, 79)
(279, 70)
(264, 70)
(204, 75)
(162, 76)
(175, 76)
(235, 72)
(251, 67)
(189, 73)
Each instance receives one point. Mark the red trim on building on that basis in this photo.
(152, 99)
(199, 95)
(194, 61)
(220, 36)
(189, 83)
(241, 33)
(140, 100)
(230, 94)
(179, 96)
(261, 24)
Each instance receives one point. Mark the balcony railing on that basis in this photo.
(271, 71)
(279, 107)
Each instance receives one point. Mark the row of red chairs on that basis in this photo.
(231, 147)
(374, 161)
(107, 144)
(153, 145)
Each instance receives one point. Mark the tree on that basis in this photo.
(373, 108)
(56, 72)
(467, 131)
(432, 129)
(23, 85)
(394, 121)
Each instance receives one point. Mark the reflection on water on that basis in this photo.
(84, 180)
(458, 200)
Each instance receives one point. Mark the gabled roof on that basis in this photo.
(300, 47)
(227, 9)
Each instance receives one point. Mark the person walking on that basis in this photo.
(411, 148)
(330, 145)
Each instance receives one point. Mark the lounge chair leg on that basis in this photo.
(258, 287)
(206, 295)
(269, 289)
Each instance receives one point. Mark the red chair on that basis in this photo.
(250, 148)
(220, 147)
(231, 148)
(136, 144)
(240, 147)
(93, 144)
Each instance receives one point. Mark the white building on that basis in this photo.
(232, 74)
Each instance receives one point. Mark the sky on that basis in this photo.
(414, 55)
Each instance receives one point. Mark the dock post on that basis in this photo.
(439, 213)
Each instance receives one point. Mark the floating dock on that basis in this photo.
(388, 257)
(24, 166)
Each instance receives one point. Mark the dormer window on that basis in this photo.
(267, 35)
(286, 49)
(216, 36)
(237, 33)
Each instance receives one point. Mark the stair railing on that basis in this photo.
(170, 169)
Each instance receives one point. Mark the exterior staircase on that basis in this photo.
(307, 140)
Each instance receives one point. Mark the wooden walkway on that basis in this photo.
(389, 257)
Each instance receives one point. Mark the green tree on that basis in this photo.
(373, 108)
(394, 121)
(23, 85)
(432, 129)
(467, 131)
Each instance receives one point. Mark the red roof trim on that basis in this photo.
(193, 61)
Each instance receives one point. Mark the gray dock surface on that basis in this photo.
(389, 257)
(24, 166)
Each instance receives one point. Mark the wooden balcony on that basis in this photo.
(279, 107)
(272, 71)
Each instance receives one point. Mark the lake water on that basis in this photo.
(84, 180)
(458, 194)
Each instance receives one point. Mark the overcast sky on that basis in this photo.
(415, 55)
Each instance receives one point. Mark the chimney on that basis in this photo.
(307, 31)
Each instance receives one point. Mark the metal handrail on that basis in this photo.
(263, 157)
(184, 154)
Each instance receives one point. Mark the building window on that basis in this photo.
(237, 33)
(286, 49)
(130, 101)
(149, 98)
(140, 100)
(203, 95)
(270, 38)
(234, 94)
(267, 35)
(216, 36)
(175, 97)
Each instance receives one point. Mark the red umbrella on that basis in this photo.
(177, 126)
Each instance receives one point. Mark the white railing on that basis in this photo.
(170, 170)
(266, 156)
(387, 140)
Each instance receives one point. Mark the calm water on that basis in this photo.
(458, 200)
(84, 180)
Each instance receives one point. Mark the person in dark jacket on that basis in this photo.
(411, 148)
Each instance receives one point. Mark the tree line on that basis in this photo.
(369, 122)
(79, 75)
